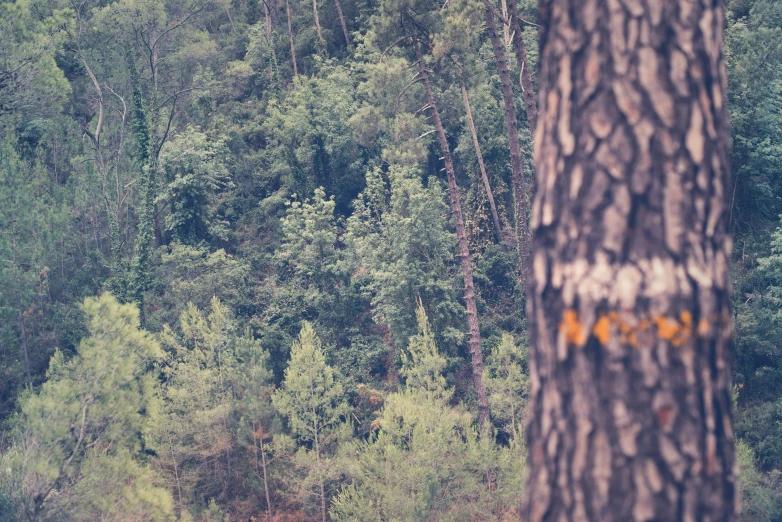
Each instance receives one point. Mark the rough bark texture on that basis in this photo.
(464, 250)
(342, 22)
(525, 71)
(290, 37)
(517, 167)
(484, 176)
(629, 367)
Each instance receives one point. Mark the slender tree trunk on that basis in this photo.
(342, 22)
(506, 26)
(23, 332)
(275, 64)
(176, 472)
(517, 167)
(230, 18)
(265, 478)
(317, 20)
(268, 16)
(290, 37)
(20, 309)
(464, 251)
(525, 71)
(489, 195)
(630, 412)
(320, 471)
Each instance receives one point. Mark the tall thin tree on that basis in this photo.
(525, 71)
(290, 37)
(461, 233)
(630, 413)
(518, 181)
(342, 22)
(481, 165)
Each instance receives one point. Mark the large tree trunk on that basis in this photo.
(630, 412)
(464, 250)
(525, 72)
(484, 176)
(517, 167)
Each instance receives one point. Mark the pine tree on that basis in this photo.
(83, 433)
(313, 403)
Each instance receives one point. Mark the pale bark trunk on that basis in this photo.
(525, 72)
(506, 25)
(630, 400)
(484, 176)
(464, 251)
(517, 167)
(290, 37)
(317, 20)
(256, 431)
(230, 18)
(176, 472)
(268, 16)
(342, 22)
(265, 480)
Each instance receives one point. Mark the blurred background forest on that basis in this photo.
(230, 283)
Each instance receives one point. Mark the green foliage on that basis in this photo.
(313, 271)
(190, 274)
(194, 434)
(309, 143)
(761, 496)
(216, 405)
(753, 44)
(262, 58)
(310, 398)
(422, 364)
(404, 248)
(507, 384)
(193, 166)
(89, 423)
(308, 252)
(314, 405)
(35, 223)
(30, 81)
(427, 457)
